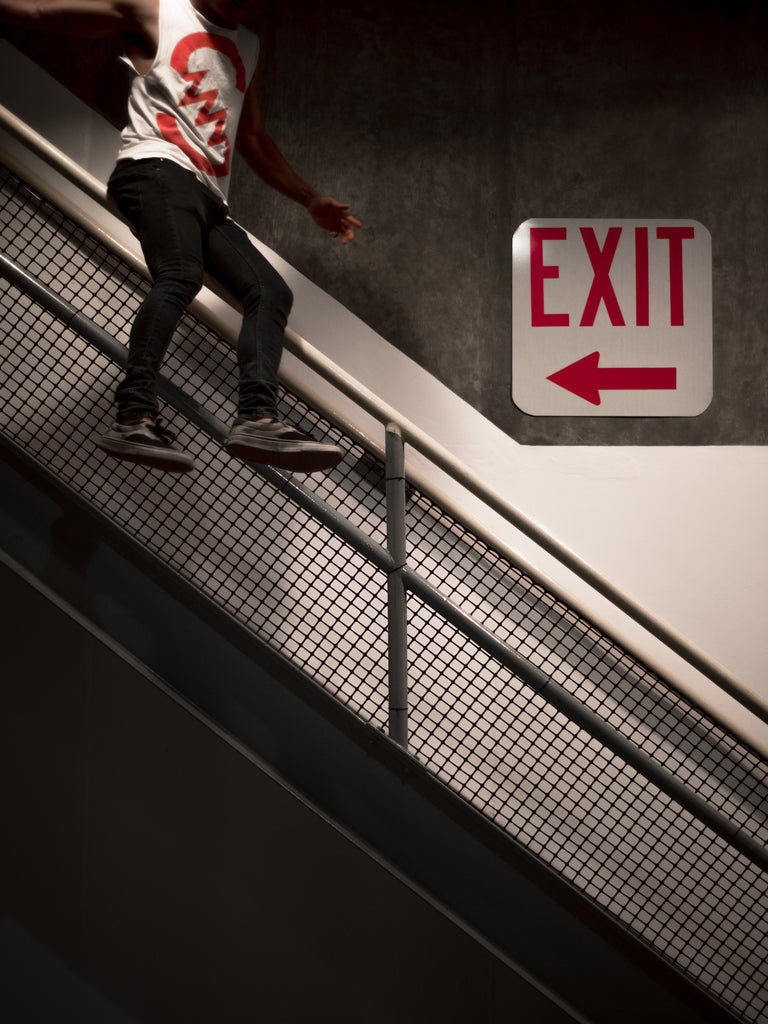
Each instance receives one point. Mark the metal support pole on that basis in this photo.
(396, 597)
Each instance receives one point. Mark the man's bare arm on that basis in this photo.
(92, 19)
(264, 157)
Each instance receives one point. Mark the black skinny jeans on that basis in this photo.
(184, 229)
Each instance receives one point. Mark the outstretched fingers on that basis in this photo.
(334, 218)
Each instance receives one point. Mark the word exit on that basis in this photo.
(612, 318)
(601, 258)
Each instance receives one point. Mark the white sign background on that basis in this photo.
(575, 281)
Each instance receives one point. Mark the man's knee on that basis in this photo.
(181, 283)
(284, 299)
(271, 293)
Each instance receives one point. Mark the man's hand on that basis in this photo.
(333, 217)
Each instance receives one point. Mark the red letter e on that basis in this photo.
(539, 273)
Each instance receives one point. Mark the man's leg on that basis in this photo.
(258, 435)
(167, 208)
(266, 299)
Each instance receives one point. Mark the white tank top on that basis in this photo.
(186, 108)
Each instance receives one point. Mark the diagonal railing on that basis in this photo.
(392, 562)
(422, 443)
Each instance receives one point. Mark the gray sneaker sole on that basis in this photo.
(297, 456)
(144, 455)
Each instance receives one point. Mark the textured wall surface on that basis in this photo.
(448, 124)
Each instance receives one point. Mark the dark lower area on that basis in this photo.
(267, 856)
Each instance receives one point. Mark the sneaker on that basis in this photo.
(272, 443)
(147, 443)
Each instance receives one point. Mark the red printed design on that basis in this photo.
(207, 114)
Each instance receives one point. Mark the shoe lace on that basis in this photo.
(163, 432)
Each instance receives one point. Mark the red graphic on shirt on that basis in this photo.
(168, 124)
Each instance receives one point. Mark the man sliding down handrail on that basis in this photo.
(194, 93)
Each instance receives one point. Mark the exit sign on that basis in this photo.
(612, 318)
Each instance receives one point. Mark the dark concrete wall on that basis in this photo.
(447, 124)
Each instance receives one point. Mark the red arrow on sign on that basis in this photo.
(586, 379)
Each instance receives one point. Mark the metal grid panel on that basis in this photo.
(474, 725)
(226, 529)
(635, 701)
(596, 821)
